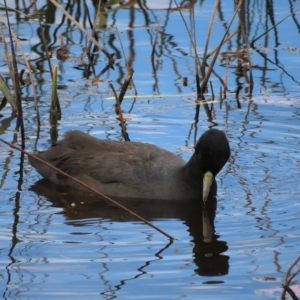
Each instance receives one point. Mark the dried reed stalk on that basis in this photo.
(212, 17)
(119, 112)
(211, 66)
(16, 83)
(28, 69)
(80, 28)
(126, 61)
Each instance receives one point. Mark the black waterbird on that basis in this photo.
(134, 169)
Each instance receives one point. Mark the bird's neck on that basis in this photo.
(192, 169)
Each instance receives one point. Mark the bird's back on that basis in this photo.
(123, 169)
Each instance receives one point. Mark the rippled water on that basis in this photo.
(61, 243)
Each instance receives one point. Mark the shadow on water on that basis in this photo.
(199, 219)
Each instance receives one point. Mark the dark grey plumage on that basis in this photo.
(132, 169)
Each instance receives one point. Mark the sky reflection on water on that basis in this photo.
(53, 248)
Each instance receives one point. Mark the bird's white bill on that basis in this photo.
(207, 181)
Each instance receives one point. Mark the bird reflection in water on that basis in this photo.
(199, 218)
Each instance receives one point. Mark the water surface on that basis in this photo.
(60, 243)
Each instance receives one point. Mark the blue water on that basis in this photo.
(58, 243)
